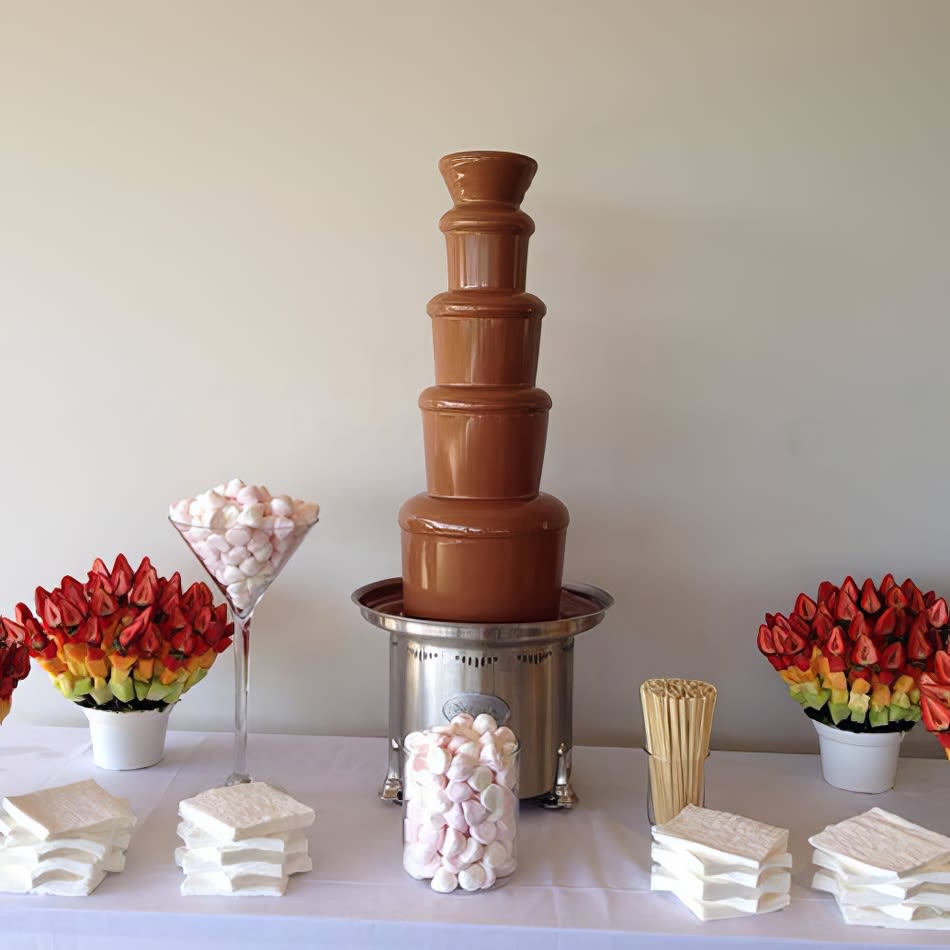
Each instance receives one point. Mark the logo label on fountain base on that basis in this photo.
(475, 704)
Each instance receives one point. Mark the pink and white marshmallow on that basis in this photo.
(243, 534)
(461, 809)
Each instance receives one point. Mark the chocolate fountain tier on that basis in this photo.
(486, 233)
(485, 337)
(483, 175)
(483, 561)
(483, 442)
(521, 673)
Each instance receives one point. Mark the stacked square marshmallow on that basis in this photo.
(243, 534)
(461, 804)
(721, 865)
(242, 839)
(885, 871)
(63, 840)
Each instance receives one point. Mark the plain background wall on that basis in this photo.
(218, 235)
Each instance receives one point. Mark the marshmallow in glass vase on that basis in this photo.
(460, 804)
(243, 536)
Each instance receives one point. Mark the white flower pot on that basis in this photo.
(859, 761)
(127, 740)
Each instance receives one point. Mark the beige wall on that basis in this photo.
(218, 234)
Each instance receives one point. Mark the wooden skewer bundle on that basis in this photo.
(677, 716)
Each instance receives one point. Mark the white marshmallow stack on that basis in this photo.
(242, 839)
(884, 871)
(721, 865)
(243, 534)
(64, 840)
(460, 821)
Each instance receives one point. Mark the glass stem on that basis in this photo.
(241, 649)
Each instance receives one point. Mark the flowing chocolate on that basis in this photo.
(483, 545)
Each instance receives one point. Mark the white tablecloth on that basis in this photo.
(582, 879)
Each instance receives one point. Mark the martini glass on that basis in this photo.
(243, 562)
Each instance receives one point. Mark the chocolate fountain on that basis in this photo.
(480, 620)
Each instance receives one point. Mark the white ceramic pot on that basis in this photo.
(127, 740)
(859, 761)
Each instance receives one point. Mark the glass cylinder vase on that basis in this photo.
(460, 806)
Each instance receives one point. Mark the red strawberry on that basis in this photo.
(826, 590)
(893, 656)
(937, 613)
(836, 644)
(175, 620)
(74, 592)
(887, 582)
(864, 653)
(846, 608)
(71, 615)
(765, 641)
(121, 576)
(151, 641)
(941, 668)
(805, 607)
(203, 619)
(919, 646)
(90, 631)
(192, 599)
(96, 581)
(929, 685)
(39, 600)
(170, 593)
(936, 716)
(912, 592)
(184, 642)
(50, 613)
(217, 630)
(849, 587)
(780, 639)
(799, 625)
(99, 568)
(902, 624)
(822, 626)
(136, 628)
(144, 585)
(102, 603)
(870, 602)
(859, 627)
(886, 623)
(794, 643)
(41, 646)
(896, 598)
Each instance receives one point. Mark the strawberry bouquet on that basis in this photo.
(866, 658)
(123, 640)
(14, 666)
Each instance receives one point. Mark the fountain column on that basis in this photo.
(483, 543)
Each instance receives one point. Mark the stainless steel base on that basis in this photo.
(522, 673)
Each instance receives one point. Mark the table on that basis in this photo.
(582, 879)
